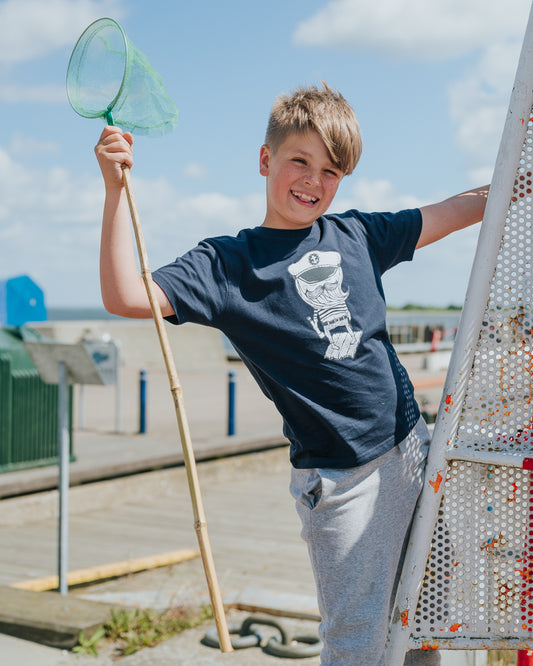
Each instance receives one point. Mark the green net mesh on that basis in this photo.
(109, 78)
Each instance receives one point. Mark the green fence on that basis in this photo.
(28, 409)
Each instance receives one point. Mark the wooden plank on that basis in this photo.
(106, 571)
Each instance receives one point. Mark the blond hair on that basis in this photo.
(323, 110)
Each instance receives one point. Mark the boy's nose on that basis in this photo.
(311, 178)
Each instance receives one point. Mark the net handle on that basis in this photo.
(200, 523)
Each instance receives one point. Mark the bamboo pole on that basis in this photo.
(200, 524)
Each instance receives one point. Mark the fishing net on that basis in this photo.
(109, 78)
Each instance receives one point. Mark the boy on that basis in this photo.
(301, 299)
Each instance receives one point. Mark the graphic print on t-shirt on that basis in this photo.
(318, 277)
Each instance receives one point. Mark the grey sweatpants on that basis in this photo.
(356, 524)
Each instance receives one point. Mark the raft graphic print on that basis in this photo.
(318, 278)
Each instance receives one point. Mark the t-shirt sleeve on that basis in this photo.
(195, 284)
(392, 236)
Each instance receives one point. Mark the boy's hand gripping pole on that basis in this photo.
(200, 524)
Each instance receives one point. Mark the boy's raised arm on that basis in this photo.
(458, 212)
(123, 290)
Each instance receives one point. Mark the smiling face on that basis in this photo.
(301, 181)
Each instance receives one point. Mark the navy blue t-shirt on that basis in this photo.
(305, 310)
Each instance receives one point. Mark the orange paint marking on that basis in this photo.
(427, 645)
(455, 627)
(436, 484)
(404, 617)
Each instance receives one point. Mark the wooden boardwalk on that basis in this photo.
(252, 524)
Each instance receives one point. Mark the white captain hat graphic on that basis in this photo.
(312, 261)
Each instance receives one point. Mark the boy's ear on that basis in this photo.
(264, 160)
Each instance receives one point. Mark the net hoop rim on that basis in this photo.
(91, 27)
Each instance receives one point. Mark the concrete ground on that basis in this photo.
(261, 562)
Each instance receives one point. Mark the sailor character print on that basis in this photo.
(318, 278)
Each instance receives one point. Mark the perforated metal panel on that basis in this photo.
(498, 413)
(477, 582)
(467, 580)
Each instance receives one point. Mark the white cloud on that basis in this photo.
(32, 28)
(444, 30)
(176, 222)
(45, 93)
(27, 145)
(481, 175)
(50, 225)
(34, 200)
(479, 102)
(438, 274)
(414, 28)
(49, 228)
(196, 171)
(375, 195)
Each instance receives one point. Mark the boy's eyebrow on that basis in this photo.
(301, 151)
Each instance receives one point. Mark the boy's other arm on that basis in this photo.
(458, 212)
(123, 289)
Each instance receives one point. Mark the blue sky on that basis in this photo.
(429, 81)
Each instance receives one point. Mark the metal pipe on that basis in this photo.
(142, 401)
(63, 452)
(231, 402)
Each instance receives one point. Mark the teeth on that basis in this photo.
(305, 197)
